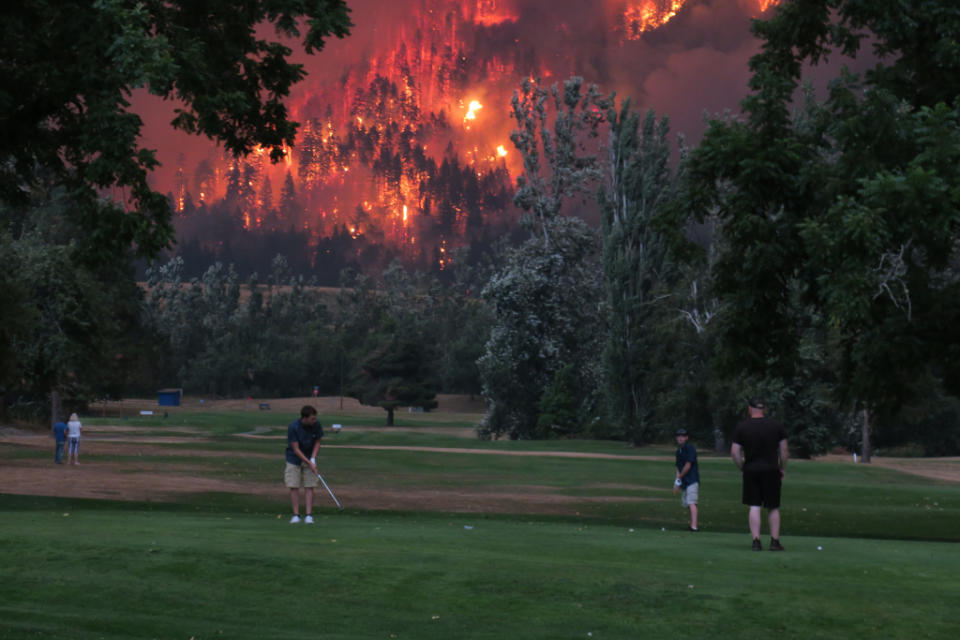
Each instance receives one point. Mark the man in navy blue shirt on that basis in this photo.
(688, 476)
(60, 439)
(303, 443)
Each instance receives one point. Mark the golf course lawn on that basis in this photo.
(73, 570)
(449, 537)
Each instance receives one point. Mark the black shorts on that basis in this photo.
(762, 488)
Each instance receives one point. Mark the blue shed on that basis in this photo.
(169, 397)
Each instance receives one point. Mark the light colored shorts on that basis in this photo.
(690, 495)
(296, 476)
(73, 445)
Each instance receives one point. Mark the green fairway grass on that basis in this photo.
(495, 539)
(73, 570)
(628, 486)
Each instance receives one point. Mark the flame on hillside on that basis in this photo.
(490, 13)
(410, 146)
(649, 14)
(641, 16)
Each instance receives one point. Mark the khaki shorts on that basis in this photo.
(690, 495)
(296, 476)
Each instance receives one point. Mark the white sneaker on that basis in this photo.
(295, 520)
(308, 520)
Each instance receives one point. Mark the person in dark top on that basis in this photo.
(759, 450)
(303, 443)
(688, 476)
(59, 440)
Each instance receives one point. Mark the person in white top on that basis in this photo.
(73, 438)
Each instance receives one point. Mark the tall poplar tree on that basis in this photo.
(638, 288)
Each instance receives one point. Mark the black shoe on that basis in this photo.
(775, 545)
(756, 545)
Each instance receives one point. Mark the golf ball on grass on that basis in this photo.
(819, 548)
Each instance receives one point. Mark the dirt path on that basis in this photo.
(947, 469)
(159, 482)
(542, 454)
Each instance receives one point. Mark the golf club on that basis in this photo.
(325, 486)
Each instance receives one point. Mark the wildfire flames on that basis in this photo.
(411, 146)
(649, 14)
(490, 13)
(645, 15)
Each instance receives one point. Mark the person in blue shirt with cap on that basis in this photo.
(688, 476)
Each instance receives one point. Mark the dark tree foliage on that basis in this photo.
(269, 337)
(388, 340)
(395, 373)
(71, 159)
(544, 303)
(842, 217)
(69, 327)
(67, 69)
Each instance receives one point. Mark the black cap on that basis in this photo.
(681, 432)
(756, 402)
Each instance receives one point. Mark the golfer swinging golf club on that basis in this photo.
(303, 443)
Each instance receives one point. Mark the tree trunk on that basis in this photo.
(390, 417)
(865, 453)
(719, 441)
(56, 407)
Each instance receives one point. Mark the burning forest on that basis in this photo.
(404, 143)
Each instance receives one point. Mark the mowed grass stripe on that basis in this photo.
(177, 574)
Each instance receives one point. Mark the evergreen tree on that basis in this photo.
(309, 154)
(394, 373)
(204, 181)
(289, 205)
(265, 196)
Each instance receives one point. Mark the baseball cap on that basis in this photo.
(756, 402)
(681, 432)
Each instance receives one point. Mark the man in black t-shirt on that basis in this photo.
(760, 451)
